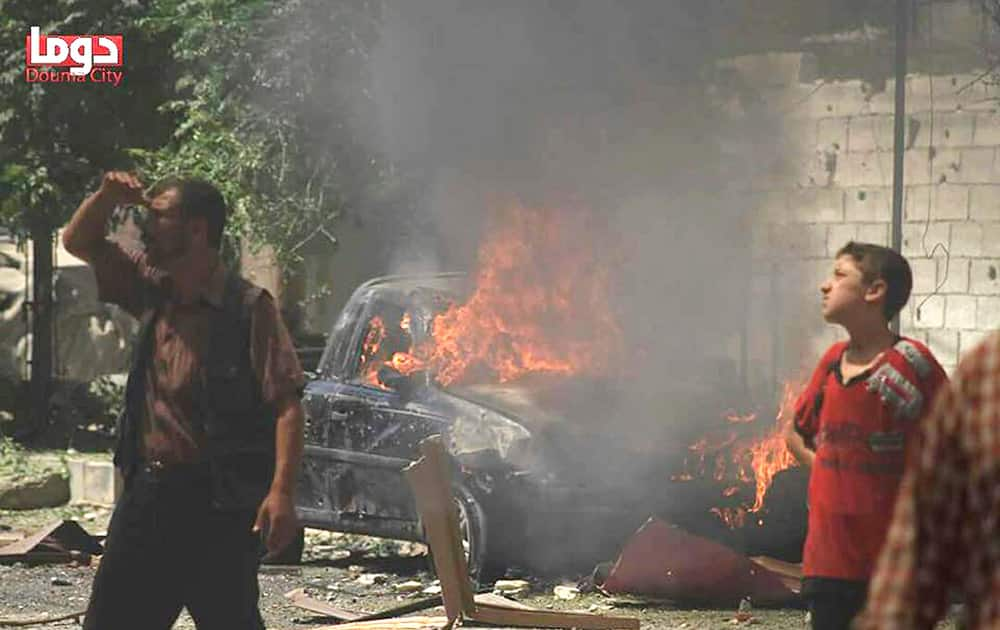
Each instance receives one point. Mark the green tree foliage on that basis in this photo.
(56, 138)
(267, 95)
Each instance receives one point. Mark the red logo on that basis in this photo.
(86, 58)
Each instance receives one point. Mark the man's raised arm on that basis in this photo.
(87, 228)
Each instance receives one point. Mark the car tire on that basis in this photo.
(292, 554)
(472, 525)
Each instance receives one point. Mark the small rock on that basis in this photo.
(49, 490)
(433, 589)
(566, 592)
(371, 579)
(410, 586)
(511, 587)
(58, 581)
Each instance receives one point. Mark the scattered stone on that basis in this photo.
(59, 581)
(566, 592)
(410, 586)
(433, 589)
(371, 579)
(48, 490)
(511, 587)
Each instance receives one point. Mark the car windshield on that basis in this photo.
(395, 335)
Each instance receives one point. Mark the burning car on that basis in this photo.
(365, 418)
(516, 366)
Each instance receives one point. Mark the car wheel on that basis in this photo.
(473, 531)
(292, 554)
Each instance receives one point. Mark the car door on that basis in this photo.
(359, 437)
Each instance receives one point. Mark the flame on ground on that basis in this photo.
(744, 460)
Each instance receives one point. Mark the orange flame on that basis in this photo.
(770, 455)
(541, 304)
(744, 460)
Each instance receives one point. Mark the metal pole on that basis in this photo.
(899, 131)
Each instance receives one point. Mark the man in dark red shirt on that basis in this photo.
(853, 425)
(211, 438)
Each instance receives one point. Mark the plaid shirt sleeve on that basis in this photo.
(939, 528)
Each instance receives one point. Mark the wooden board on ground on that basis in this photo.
(398, 623)
(430, 478)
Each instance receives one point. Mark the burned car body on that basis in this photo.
(534, 485)
(360, 434)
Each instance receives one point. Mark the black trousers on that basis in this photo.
(833, 604)
(167, 549)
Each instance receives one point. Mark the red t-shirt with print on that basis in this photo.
(860, 431)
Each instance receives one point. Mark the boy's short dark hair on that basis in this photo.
(198, 199)
(878, 262)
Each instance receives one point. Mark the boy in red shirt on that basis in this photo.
(853, 425)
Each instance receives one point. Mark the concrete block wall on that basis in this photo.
(831, 181)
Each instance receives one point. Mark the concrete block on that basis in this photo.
(984, 277)
(832, 132)
(987, 132)
(960, 312)
(839, 235)
(838, 98)
(877, 233)
(969, 339)
(991, 239)
(817, 205)
(919, 239)
(924, 274)
(976, 167)
(868, 204)
(926, 166)
(883, 101)
(96, 482)
(928, 311)
(944, 344)
(950, 129)
(952, 273)
(988, 312)
(966, 239)
(984, 202)
(870, 133)
(939, 93)
(873, 168)
(944, 201)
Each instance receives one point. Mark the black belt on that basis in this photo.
(158, 470)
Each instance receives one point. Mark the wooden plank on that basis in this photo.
(430, 479)
(299, 598)
(432, 493)
(399, 623)
(504, 616)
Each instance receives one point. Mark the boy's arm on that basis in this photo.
(799, 433)
(797, 446)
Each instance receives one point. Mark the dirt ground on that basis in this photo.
(352, 572)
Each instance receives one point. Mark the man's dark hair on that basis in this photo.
(198, 199)
(877, 262)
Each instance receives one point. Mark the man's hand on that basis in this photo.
(119, 187)
(85, 232)
(276, 518)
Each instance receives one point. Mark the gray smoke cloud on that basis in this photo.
(605, 103)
